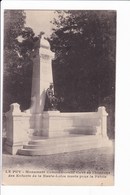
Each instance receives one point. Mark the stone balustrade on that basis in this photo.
(20, 125)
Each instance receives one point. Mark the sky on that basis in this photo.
(40, 21)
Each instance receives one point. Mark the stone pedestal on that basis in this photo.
(41, 79)
(16, 129)
(53, 125)
(103, 117)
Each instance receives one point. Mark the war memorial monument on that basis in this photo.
(45, 130)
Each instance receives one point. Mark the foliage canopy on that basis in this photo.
(19, 43)
(84, 68)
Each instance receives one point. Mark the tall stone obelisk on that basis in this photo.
(42, 76)
(41, 79)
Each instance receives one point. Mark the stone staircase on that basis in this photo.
(46, 146)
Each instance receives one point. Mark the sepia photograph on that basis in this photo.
(59, 82)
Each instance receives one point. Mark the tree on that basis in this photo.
(84, 69)
(19, 43)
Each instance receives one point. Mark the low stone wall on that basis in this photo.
(21, 125)
(91, 123)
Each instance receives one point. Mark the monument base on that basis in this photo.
(12, 148)
(56, 132)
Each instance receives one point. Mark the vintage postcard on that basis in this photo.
(59, 70)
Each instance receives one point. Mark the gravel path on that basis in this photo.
(93, 159)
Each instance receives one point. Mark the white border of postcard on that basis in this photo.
(122, 154)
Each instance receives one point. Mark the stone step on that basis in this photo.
(68, 145)
(51, 146)
(64, 140)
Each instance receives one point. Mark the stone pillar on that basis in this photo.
(16, 129)
(42, 76)
(41, 79)
(53, 124)
(103, 117)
